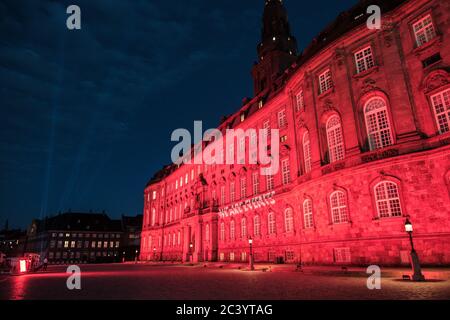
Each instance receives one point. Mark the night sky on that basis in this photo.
(86, 116)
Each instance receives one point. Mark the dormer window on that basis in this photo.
(242, 117)
(260, 104)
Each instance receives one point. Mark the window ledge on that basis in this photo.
(348, 223)
(365, 73)
(437, 40)
(326, 93)
(387, 219)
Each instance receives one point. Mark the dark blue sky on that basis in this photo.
(86, 116)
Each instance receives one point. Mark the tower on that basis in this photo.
(277, 49)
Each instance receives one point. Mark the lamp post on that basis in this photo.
(191, 246)
(136, 257)
(154, 253)
(250, 243)
(415, 263)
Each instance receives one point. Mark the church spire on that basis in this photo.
(277, 49)
(276, 32)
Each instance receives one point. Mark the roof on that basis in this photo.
(80, 222)
(135, 221)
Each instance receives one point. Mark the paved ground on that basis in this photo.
(129, 281)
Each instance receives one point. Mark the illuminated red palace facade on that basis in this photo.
(364, 120)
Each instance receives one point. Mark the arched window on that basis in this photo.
(257, 225)
(244, 228)
(335, 139)
(387, 198)
(153, 216)
(179, 237)
(232, 230)
(222, 231)
(377, 123)
(307, 214)
(338, 203)
(207, 232)
(271, 223)
(441, 108)
(307, 152)
(288, 220)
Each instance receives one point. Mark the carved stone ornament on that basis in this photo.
(436, 80)
(368, 85)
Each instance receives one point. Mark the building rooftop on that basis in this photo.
(79, 221)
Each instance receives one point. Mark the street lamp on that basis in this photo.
(191, 256)
(154, 253)
(136, 257)
(250, 242)
(417, 272)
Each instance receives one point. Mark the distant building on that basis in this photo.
(80, 238)
(11, 242)
(132, 228)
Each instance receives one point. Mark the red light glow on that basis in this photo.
(23, 265)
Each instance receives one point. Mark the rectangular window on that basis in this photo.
(325, 81)
(282, 122)
(232, 191)
(441, 108)
(342, 255)
(285, 170)
(364, 59)
(243, 188)
(255, 178)
(222, 195)
(299, 102)
(424, 30)
(267, 129)
(269, 182)
(290, 256)
(241, 153)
